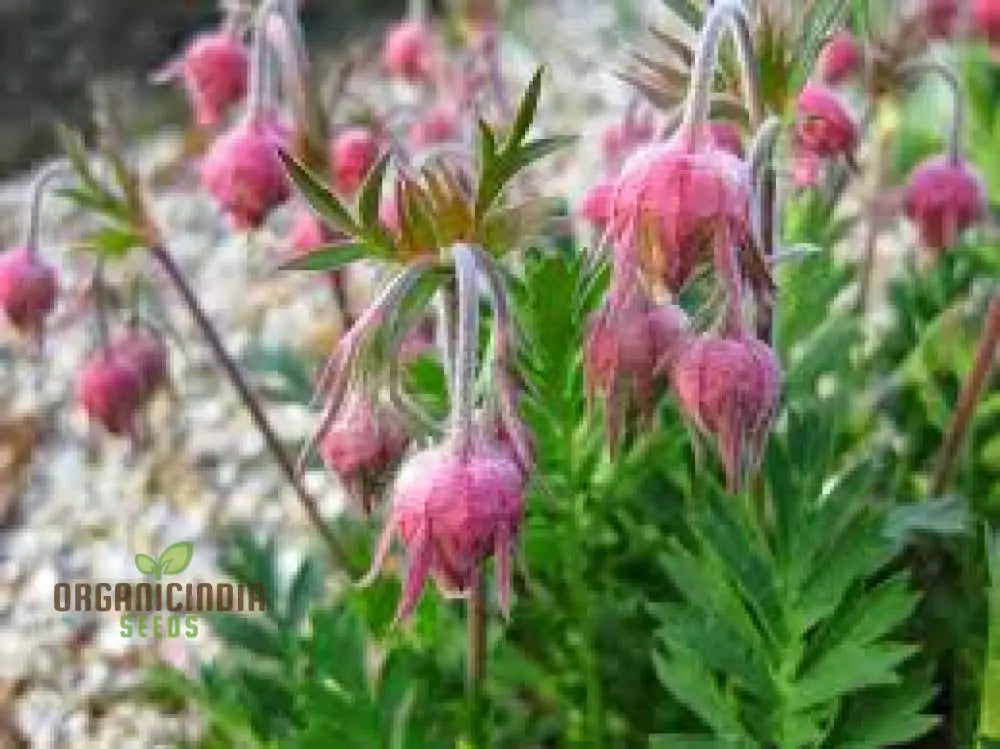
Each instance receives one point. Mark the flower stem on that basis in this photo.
(253, 407)
(957, 105)
(38, 187)
(696, 108)
(475, 608)
(972, 390)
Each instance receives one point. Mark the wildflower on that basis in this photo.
(111, 389)
(729, 388)
(352, 154)
(28, 289)
(824, 125)
(943, 198)
(215, 70)
(243, 172)
(408, 51)
(840, 58)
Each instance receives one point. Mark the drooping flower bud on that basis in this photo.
(145, 351)
(595, 205)
(243, 172)
(840, 58)
(626, 340)
(110, 389)
(352, 154)
(679, 204)
(986, 19)
(362, 442)
(807, 168)
(307, 233)
(215, 69)
(939, 17)
(824, 125)
(409, 51)
(28, 290)
(729, 388)
(943, 198)
(439, 125)
(451, 509)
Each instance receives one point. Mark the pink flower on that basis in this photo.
(307, 233)
(729, 388)
(144, 350)
(986, 18)
(352, 154)
(451, 509)
(215, 70)
(595, 206)
(361, 442)
(824, 126)
(243, 172)
(621, 139)
(840, 58)
(110, 388)
(409, 51)
(626, 340)
(439, 125)
(727, 136)
(940, 16)
(27, 289)
(678, 204)
(944, 198)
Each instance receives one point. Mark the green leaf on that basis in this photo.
(537, 149)
(326, 205)
(848, 668)
(328, 257)
(696, 688)
(526, 111)
(176, 557)
(145, 564)
(370, 196)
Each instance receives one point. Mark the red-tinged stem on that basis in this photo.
(476, 667)
(253, 407)
(972, 390)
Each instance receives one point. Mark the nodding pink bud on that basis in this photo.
(595, 205)
(729, 389)
(943, 198)
(939, 17)
(307, 233)
(824, 125)
(626, 341)
(215, 69)
(409, 51)
(840, 58)
(451, 509)
(27, 289)
(352, 154)
(439, 125)
(620, 140)
(144, 350)
(676, 206)
(110, 389)
(986, 19)
(243, 172)
(362, 442)
(727, 136)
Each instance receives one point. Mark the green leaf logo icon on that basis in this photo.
(174, 560)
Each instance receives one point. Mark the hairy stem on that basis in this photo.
(764, 180)
(947, 75)
(972, 390)
(253, 407)
(38, 187)
(466, 342)
(475, 611)
(696, 110)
